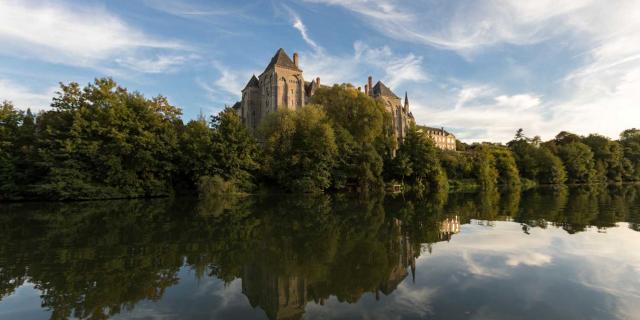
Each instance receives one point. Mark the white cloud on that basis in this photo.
(227, 87)
(24, 98)
(395, 70)
(529, 259)
(483, 113)
(299, 25)
(76, 35)
(159, 64)
(461, 25)
(600, 95)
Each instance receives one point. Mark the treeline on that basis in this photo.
(102, 141)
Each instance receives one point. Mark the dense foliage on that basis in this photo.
(300, 149)
(102, 141)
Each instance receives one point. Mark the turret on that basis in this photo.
(318, 82)
(366, 89)
(295, 59)
(370, 83)
(406, 102)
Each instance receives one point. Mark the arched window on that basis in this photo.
(284, 88)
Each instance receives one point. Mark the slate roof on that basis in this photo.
(434, 129)
(281, 59)
(310, 85)
(381, 90)
(253, 82)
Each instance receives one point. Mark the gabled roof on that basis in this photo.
(281, 59)
(426, 128)
(310, 86)
(253, 82)
(381, 90)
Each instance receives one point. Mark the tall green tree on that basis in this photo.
(363, 135)
(485, 167)
(535, 161)
(300, 149)
(196, 156)
(630, 140)
(578, 161)
(419, 153)
(102, 141)
(505, 163)
(235, 152)
(608, 157)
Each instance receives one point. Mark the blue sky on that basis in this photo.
(480, 68)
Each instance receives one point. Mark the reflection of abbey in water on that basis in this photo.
(285, 296)
(449, 227)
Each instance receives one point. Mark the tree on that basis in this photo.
(363, 136)
(536, 162)
(485, 167)
(105, 142)
(505, 164)
(630, 141)
(196, 153)
(362, 116)
(235, 152)
(578, 161)
(420, 154)
(520, 135)
(550, 169)
(608, 157)
(300, 149)
(10, 122)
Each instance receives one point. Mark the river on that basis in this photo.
(546, 253)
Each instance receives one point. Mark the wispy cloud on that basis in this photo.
(158, 64)
(392, 68)
(78, 35)
(484, 113)
(461, 25)
(299, 25)
(228, 84)
(24, 97)
(596, 96)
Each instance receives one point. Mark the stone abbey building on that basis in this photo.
(281, 86)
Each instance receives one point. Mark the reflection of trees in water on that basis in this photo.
(95, 259)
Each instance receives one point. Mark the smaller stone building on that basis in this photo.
(443, 139)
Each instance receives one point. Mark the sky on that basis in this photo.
(481, 69)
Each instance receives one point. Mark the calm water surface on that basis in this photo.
(539, 254)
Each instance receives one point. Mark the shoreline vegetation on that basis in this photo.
(104, 142)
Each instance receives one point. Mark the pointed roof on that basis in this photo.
(381, 90)
(406, 98)
(253, 82)
(281, 59)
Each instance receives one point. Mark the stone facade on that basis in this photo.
(281, 86)
(443, 139)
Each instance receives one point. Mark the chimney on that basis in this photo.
(295, 59)
(318, 81)
(366, 89)
(370, 85)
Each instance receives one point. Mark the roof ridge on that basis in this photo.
(281, 59)
(381, 89)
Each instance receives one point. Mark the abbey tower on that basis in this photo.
(281, 86)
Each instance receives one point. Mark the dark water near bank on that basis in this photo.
(539, 254)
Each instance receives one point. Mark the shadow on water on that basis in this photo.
(95, 260)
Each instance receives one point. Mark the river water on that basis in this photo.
(568, 253)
